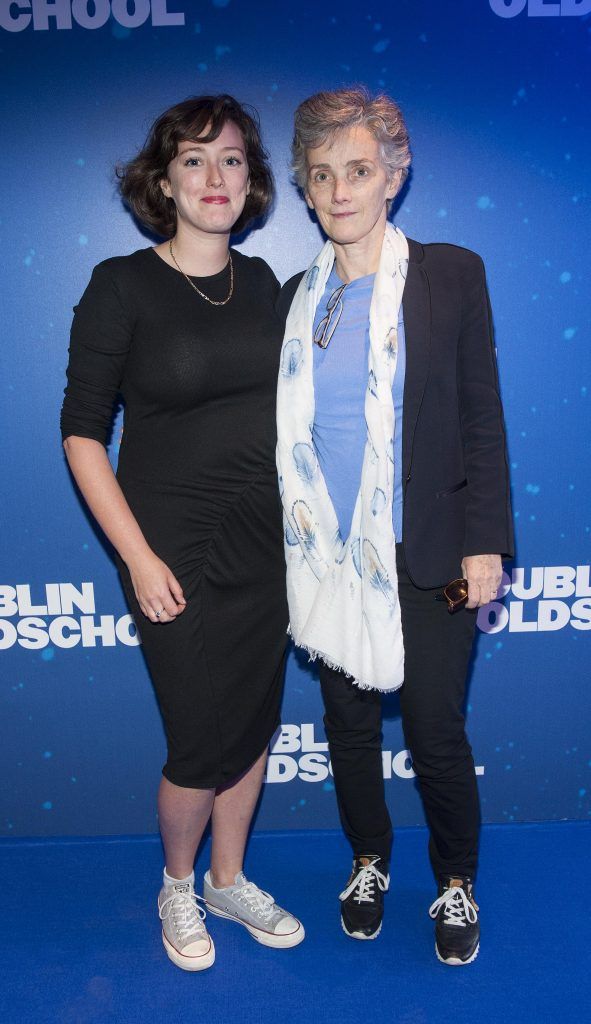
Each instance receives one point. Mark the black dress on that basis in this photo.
(197, 467)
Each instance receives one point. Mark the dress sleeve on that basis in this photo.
(99, 345)
(265, 277)
(488, 511)
(287, 294)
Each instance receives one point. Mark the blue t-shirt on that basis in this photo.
(340, 384)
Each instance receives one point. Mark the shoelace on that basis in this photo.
(260, 902)
(458, 908)
(364, 882)
(187, 915)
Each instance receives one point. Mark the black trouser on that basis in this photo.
(437, 650)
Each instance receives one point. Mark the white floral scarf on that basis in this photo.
(343, 594)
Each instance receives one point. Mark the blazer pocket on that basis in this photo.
(452, 490)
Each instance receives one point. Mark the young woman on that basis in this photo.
(187, 333)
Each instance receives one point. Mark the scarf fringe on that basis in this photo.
(313, 655)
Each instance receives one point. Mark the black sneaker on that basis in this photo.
(457, 932)
(362, 902)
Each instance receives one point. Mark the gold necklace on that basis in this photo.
(194, 286)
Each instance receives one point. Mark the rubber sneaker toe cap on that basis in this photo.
(199, 947)
(288, 925)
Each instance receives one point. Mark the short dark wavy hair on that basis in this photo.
(189, 121)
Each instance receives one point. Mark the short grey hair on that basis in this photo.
(321, 116)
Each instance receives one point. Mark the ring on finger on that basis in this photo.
(158, 614)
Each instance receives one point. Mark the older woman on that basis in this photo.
(187, 333)
(393, 474)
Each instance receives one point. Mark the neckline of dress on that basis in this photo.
(208, 277)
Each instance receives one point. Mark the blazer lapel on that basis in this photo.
(416, 309)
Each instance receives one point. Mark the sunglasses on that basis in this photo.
(329, 323)
(456, 595)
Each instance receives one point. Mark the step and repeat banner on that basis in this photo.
(496, 96)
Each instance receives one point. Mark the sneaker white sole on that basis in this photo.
(360, 935)
(454, 961)
(189, 963)
(265, 938)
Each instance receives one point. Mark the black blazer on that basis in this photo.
(454, 458)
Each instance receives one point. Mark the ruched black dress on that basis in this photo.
(197, 467)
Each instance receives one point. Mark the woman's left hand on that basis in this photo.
(484, 573)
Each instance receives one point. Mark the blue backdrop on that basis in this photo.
(495, 93)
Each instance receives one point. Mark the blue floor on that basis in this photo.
(81, 940)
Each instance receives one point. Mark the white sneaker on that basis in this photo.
(184, 934)
(245, 903)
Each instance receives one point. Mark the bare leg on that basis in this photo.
(233, 809)
(183, 814)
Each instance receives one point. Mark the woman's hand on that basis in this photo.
(159, 593)
(484, 574)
